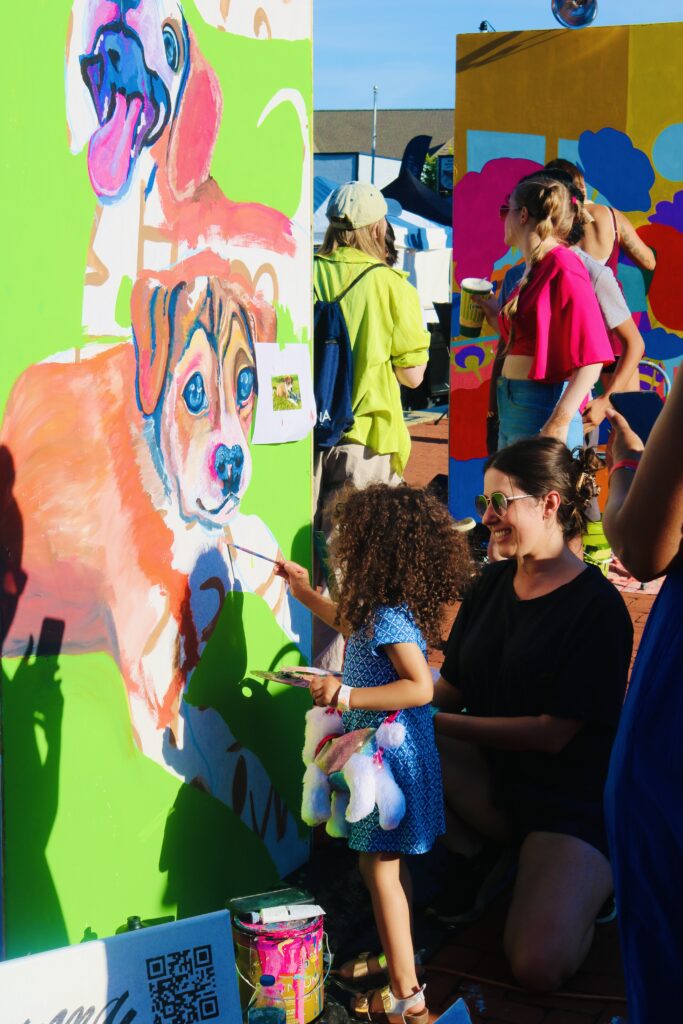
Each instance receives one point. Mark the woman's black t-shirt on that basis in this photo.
(565, 654)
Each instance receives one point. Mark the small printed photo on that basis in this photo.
(286, 392)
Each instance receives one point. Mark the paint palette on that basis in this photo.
(294, 675)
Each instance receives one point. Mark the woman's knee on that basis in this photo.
(539, 964)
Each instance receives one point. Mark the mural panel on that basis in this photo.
(610, 100)
(158, 250)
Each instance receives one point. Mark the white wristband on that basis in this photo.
(344, 697)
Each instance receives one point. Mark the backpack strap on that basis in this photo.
(355, 281)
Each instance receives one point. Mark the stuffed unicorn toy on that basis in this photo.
(346, 775)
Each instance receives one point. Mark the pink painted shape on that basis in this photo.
(284, 952)
(477, 227)
(97, 15)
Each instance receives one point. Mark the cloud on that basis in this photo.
(613, 165)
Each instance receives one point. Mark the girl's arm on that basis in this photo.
(300, 587)
(644, 514)
(546, 733)
(578, 386)
(633, 349)
(414, 688)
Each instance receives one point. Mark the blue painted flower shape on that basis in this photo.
(613, 165)
(670, 213)
(661, 344)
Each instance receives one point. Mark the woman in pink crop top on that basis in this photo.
(555, 333)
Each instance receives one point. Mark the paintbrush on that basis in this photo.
(248, 551)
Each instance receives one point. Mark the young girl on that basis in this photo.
(399, 561)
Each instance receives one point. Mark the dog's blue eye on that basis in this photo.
(194, 394)
(245, 385)
(172, 47)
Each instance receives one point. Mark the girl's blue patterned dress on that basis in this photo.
(415, 764)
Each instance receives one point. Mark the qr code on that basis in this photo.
(182, 986)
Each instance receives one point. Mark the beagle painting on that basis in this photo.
(130, 529)
(147, 105)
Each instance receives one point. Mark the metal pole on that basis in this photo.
(374, 133)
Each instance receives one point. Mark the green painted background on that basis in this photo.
(94, 831)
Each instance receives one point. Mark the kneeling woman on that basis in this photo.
(530, 696)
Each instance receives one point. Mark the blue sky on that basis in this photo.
(407, 49)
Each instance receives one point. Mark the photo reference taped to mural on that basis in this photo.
(129, 466)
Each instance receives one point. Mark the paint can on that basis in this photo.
(293, 954)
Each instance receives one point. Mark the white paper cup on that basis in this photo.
(472, 315)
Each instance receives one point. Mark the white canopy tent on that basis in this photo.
(424, 247)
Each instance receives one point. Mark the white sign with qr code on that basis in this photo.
(178, 973)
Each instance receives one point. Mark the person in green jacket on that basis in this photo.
(389, 342)
(389, 346)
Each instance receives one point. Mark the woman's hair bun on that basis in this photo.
(585, 466)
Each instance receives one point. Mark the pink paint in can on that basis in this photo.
(293, 954)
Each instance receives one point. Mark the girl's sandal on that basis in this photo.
(380, 1006)
(365, 965)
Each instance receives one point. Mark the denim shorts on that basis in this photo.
(524, 406)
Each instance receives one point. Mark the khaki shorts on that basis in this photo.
(346, 464)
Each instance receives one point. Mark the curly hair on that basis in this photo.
(542, 464)
(397, 546)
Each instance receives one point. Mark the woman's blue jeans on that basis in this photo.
(524, 406)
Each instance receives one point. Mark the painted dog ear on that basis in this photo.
(194, 127)
(150, 306)
(262, 319)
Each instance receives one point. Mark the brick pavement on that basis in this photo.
(471, 965)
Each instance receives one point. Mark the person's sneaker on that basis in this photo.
(608, 911)
(473, 883)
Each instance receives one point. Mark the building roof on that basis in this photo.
(350, 131)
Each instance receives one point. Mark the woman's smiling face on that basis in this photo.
(523, 528)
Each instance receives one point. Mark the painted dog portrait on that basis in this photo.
(148, 107)
(148, 448)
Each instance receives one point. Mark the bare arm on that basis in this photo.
(578, 386)
(410, 376)
(412, 689)
(633, 349)
(323, 608)
(632, 245)
(446, 697)
(545, 733)
(643, 518)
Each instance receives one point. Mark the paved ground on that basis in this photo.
(470, 963)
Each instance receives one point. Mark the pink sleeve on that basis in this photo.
(570, 330)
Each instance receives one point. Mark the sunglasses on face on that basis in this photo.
(505, 208)
(498, 501)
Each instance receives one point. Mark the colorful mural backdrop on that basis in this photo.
(157, 237)
(608, 99)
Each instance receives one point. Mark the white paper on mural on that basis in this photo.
(135, 978)
(286, 406)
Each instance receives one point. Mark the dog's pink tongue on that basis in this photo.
(109, 152)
